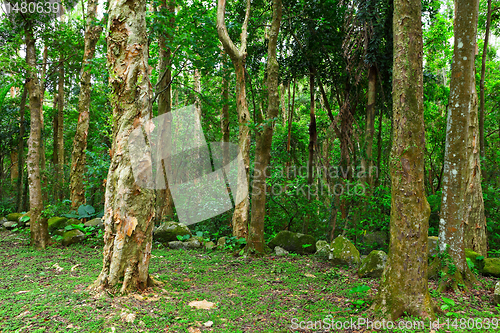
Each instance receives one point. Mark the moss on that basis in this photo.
(491, 267)
(72, 237)
(373, 265)
(56, 222)
(168, 232)
(478, 264)
(14, 217)
(343, 252)
(294, 242)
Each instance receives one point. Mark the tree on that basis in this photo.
(238, 57)
(38, 225)
(463, 105)
(404, 286)
(78, 156)
(264, 140)
(129, 209)
(481, 83)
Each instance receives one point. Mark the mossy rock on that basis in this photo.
(322, 249)
(496, 294)
(373, 265)
(294, 242)
(14, 217)
(478, 264)
(95, 223)
(72, 237)
(343, 252)
(491, 267)
(168, 232)
(56, 222)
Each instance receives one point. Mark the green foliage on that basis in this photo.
(183, 238)
(84, 212)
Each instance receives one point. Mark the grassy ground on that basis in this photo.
(45, 292)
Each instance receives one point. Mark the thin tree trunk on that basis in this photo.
(60, 133)
(379, 146)
(129, 209)
(78, 156)
(264, 141)
(238, 56)
(404, 286)
(481, 83)
(313, 137)
(20, 163)
(462, 103)
(38, 225)
(367, 162)
(42, 144)
(14, 169)
(164, 200)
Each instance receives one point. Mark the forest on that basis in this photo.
(250, 166)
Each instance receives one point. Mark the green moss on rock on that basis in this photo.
(343, 252)
(72, 237)
(14, 217)
(168, 232)
(56, 222)
(294, 242)
(373, 265)
(491, 267)
(478, 263)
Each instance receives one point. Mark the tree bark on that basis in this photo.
(20, 163)
(264, 142)
(367, 161)
(38, 225)
(43, 162)
(404, 286)
(462, 104)
(78, 158)
(60, 133)
(238, 57)
(14, 169)
(129, 209)
(481, 83)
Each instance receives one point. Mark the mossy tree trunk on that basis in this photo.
(264, 141)
(78, 158)
(38, 225)
(238, 57)
(463, 105)
(129, 209)
(404, 285)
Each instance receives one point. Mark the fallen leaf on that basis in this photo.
(74, 267)
(202, 305)
(208, 323)
(57, 267)
(128, 317)
(23, 314)
(193, 330)
(22, 292)
(309, 275)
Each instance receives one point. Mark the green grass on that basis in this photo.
(251, 295)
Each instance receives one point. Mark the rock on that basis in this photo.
(175, 245)
(168, 232)
(3, 220)
(56, 222)
(193, 243)
(432, 246)
(23, 221)
(59, 232)
(72, 237)
(491, 267)
(14, 217)
(95, 223)
(221, 242)
(343, 252)
(10, 225)
(73, 221)
(376, 238)
(373, 265)
(209, 245)
(496, 294)
(294, 242)
(478, 263)
(280, 251)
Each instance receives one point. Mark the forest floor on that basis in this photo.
(45, 291)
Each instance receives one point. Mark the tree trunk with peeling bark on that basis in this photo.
(38, 225)
(78, 158)
(404, 286)
(238, 57)
(164, 200)
(264, 141)
(463, 105)
(20, 163)
(129, 209)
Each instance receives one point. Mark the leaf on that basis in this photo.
(24, 218)
(306, 245)
(448, 301)
(309, 275)
(206, 305)
(86, 210)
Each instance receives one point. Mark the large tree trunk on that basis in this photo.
(264, 142)
(43, 162)
(20, 163)
(78, 158)
(404, 286)
(164, 200)
(238, 57)
(129, 209)
(481, 83)
(38, 225)
(475, 220)
(367, 161)
(462, 104)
